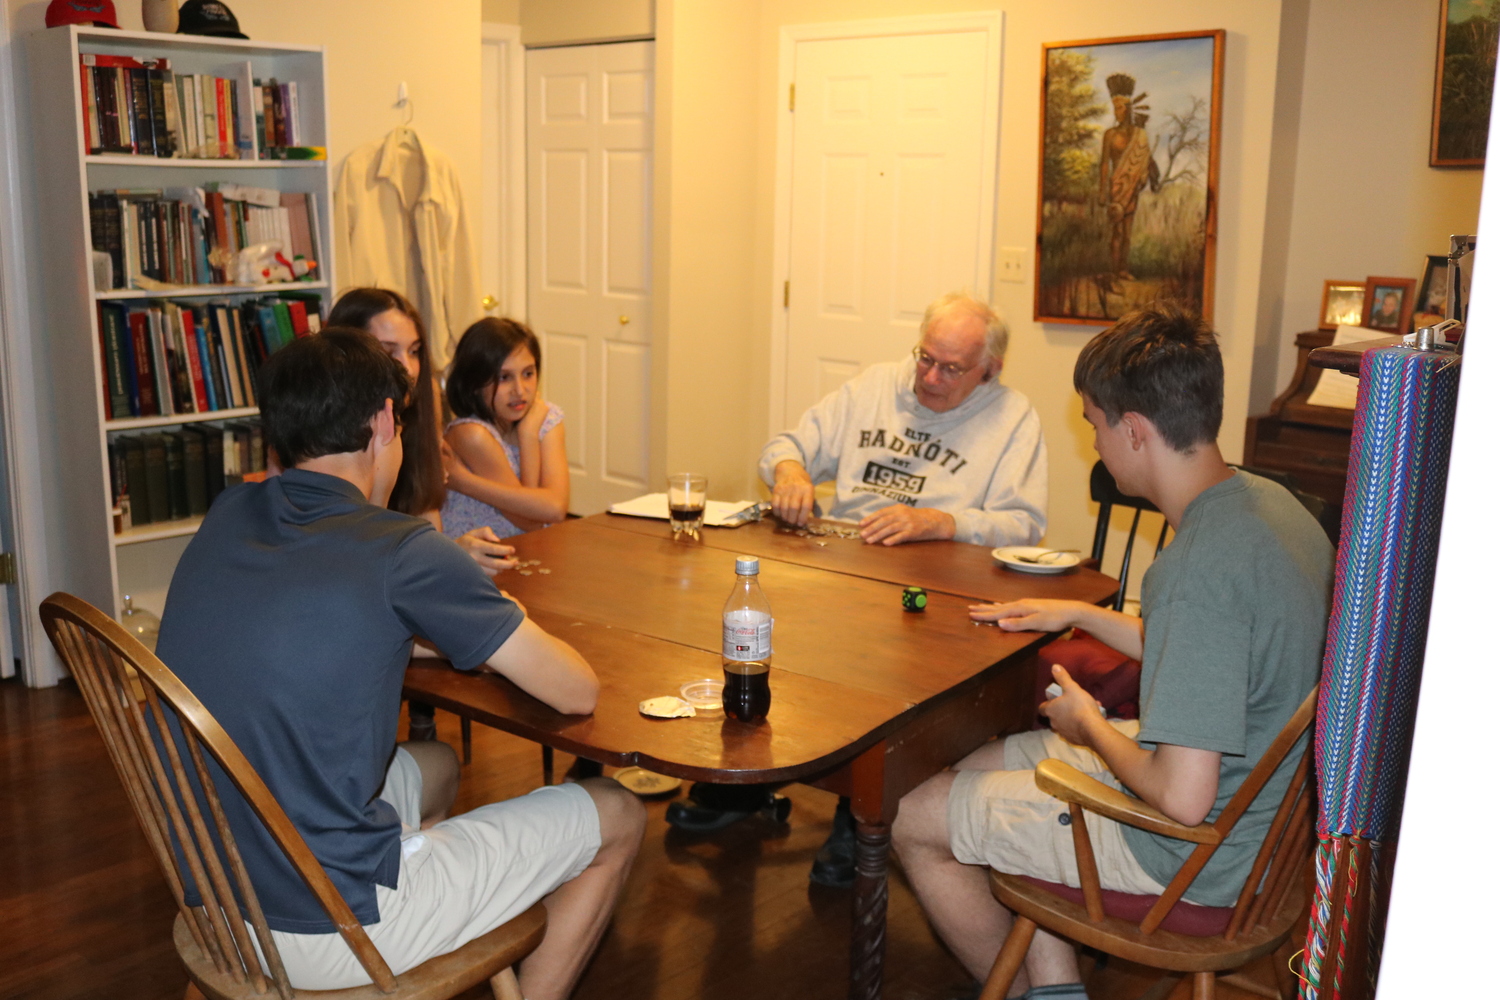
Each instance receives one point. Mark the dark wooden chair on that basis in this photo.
(1156, 930)
(175, 810)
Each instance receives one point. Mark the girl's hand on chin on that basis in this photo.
(531, 422)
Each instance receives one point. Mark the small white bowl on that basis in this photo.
(706, 695)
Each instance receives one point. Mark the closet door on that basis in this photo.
(588, 202)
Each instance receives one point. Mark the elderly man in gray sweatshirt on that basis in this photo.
(926, 448)
(930, 447)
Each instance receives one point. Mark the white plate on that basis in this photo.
(1058, 562)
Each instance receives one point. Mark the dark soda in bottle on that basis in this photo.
(747, 645)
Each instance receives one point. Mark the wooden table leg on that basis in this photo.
(873, 813)
(867, 950)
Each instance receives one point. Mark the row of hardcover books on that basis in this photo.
(141, 107)
(163, 359)
(188, 236)
(176, 474)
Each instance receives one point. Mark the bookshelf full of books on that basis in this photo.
(185, 196)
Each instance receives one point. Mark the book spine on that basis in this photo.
(243, 356)
(213, 462)
(160, 366)
(195, 471)
(116, 353)
(221, 117)
(109, 403)
(140, 350)
(172, 96)
(206, 359)
(157, 490)
(139, 94)
(216, 363)
(225, 333)
(136, 489)
(161, 133)
(90, 108)
(194, 362)
(293, 116)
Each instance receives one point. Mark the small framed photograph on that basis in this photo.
(1432, 293)
(1389, 303)
(1343, 304)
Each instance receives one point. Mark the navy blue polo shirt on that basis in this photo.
(291, 616)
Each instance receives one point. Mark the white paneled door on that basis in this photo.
(588, 206)
(892, 194)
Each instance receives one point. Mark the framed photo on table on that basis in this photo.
(1389, 303)
(1127, 207)
(1432, 293)
(1343, 304)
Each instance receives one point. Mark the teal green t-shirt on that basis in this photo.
(1235, 611)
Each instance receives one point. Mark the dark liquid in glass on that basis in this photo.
(689, 514)
(747, 690)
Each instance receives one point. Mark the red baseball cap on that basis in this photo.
(99, 13)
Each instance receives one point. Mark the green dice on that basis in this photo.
(914, 599)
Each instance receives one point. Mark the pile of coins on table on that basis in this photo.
(524, 567)
(811, 530)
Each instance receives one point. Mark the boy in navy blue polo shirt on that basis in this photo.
(292, 616)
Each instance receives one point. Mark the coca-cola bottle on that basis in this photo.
(747, 645)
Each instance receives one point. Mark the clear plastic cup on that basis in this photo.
(706, 695)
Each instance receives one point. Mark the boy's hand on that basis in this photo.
(1073, 712)
(1031, 615)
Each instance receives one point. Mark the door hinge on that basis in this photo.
(786, 295)
(791, 101)
(8, 568)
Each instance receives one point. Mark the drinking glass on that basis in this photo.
(687, 494)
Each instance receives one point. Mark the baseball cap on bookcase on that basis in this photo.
(208, 17)
(99, 13)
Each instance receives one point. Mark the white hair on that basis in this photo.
(996, 333)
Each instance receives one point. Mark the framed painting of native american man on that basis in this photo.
(1127, 208)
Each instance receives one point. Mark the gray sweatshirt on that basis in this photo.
(984, 461)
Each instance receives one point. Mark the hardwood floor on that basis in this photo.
(84, 913)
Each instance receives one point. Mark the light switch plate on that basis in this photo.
(1013, 264)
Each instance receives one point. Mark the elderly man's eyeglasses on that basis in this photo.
(945, 370)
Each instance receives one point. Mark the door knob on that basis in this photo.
(489, 302)
(624, 320)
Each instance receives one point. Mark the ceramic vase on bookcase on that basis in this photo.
(159, 15)
(155, 162)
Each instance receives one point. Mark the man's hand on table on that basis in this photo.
(486, 549)
(899, 523)
(792, 495)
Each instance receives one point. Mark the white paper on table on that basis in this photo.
(655, 505)
(1335, 388)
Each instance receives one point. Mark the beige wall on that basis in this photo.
(1363, 199)
(708, 194)
(372, 46)
(571, 22)
(500, 11)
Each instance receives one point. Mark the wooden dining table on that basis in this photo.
(868, 700)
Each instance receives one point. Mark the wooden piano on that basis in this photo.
(1306, 441)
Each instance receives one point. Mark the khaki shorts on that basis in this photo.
(1001, 819)
(462, 878)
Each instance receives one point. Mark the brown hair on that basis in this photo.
(1163, 363)
(477, 359)
(419, 485)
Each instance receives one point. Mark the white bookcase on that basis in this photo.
(88, 558)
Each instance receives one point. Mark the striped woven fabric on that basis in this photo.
(1393, 506)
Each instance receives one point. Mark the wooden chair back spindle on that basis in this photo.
(175, 812)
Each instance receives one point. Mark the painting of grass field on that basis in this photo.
(1128, 161)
